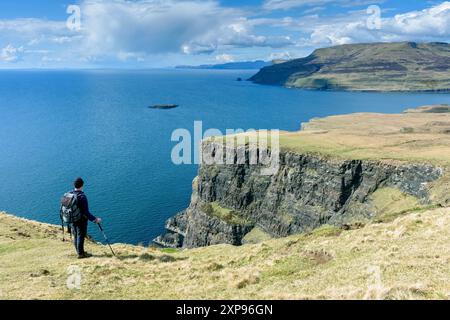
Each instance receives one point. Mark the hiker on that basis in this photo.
(80, 227)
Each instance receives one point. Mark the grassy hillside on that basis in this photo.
(420, 136)
(400, 257)
(405, 66)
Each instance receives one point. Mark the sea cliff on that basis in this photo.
(347, 186)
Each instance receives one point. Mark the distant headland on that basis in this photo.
(403, 66)
(243, 65)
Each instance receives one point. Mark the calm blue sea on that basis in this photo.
(57, 125)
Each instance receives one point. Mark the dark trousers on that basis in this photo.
(79, 230)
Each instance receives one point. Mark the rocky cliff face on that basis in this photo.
(308, 190)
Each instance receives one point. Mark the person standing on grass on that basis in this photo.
(80, 227)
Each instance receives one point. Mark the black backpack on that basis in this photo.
(70, 213)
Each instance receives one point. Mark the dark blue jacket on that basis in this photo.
(83, 205)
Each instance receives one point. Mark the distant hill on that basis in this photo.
(404, 66)
(244, 65)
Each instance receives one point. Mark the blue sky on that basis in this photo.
(162, 33)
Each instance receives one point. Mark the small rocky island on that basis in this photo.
(164, 106)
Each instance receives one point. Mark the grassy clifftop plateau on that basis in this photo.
(405, 66)
(404, 258)
(417, 135)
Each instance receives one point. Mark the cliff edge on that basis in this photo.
(343, 170)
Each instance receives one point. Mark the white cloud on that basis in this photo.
(289, 4)
(47, 59)
(431, 24)
(225, 58)
(155, 27)
(313, 10)
(32, 30)
(147, 26)
(124, 30)
(10, 53)
(130, 56)
(33, 39)
(281, 56)
(434, 22)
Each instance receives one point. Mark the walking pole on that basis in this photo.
(106, 239)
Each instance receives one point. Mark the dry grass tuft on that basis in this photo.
(247, 280)
(318, 256)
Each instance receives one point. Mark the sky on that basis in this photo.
(164, 33)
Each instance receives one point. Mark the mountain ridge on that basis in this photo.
(241, 65)
(400, 66)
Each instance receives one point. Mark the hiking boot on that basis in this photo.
(84, 255)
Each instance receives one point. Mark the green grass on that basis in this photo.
(169, 250)
(391, 216)
(257, 235)
(325, 231)
(216, 210)
(389, 201)
(290, 268)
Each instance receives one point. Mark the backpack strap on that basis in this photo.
(75, 195)
(62, 222)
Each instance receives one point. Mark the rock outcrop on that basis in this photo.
(228, 201)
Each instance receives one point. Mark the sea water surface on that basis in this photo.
(57, 125)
